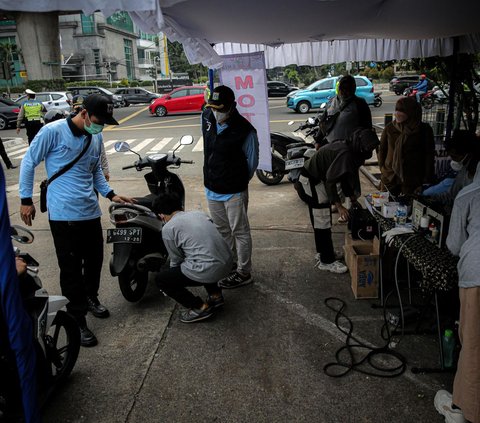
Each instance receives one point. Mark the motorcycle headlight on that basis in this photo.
(117, 97)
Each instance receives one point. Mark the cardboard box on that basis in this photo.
(364, 269)
(349, 241)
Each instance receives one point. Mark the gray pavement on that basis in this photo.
(259, 360)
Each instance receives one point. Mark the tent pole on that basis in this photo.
(451, 92)
(210, 79)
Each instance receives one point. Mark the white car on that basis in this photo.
(61, 100)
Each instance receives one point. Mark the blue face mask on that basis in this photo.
(94, 128)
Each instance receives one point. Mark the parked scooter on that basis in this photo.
(280, 144)
(137, 241)
(377, 102)
(56, 334)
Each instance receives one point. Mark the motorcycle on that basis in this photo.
(440, 95)
(426, 100)
(138, 249)
(280, 144)
(56, 335)
(377, 102)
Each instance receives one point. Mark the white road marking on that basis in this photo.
(161, 145)
(140, 146)
(199, 145)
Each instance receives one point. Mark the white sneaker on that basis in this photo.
(338, 256)
(335, 267)
(443, 404)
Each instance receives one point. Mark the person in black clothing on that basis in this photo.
(5, 157)
(344, 113)
(333, 164)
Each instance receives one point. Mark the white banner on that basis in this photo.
(245, 75)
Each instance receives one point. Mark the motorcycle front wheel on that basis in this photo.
(132, 284)
(62, 344)
(427, 103)
(378, 102)
(269, 178)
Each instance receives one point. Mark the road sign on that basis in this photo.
(23, 74)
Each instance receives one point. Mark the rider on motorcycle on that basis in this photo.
(421, 87)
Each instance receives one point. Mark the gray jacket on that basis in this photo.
(464, 233)
(194, 243)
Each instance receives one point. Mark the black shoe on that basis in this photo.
(12, 167)
(87, 338)
(97, 309)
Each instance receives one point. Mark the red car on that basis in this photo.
(180, 100)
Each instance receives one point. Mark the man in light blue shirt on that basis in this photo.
(421, 87)
(230, 160)
(73, 209)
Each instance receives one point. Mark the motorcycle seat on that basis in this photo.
(146, 201)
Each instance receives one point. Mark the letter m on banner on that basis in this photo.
(245, 74)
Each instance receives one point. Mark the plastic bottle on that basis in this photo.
(448, 343)
(401, 215)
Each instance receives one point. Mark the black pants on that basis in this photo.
(79, 248)
(323, 239)
(173, 282)
(32, 128)
(4, 155)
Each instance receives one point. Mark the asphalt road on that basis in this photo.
(259, 360)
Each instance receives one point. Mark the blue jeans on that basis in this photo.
(418, 95)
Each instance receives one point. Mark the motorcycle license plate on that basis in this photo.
(294, 163)
(125, 235)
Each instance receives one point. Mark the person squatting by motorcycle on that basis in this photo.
(343, 114)
(73, 209)
(199, 256)
(230, 159)
(334, 164)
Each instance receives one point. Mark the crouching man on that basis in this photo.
(199, 256)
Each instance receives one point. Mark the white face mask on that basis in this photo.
(400, 116)
(220, 117)
(457, 166)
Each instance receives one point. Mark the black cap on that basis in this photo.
(222, 97)
(101, 107)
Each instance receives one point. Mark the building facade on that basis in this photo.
(97, 48)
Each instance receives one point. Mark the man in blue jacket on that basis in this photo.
(15, 325)
(421, 87)
(73, 209)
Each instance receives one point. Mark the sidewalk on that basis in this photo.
(259, 360)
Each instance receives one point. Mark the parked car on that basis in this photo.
(9, 111)
(84, 91)
(136, 95)
(323, 90)
(180, 100)
(279, 89)
(51, 100)
(398, 84)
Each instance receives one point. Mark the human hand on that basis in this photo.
(18, 130)
(107, 176)
(21, 266)
(27, 213)
(343, 212)
(123, 199)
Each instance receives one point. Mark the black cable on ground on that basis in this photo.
(352, 343)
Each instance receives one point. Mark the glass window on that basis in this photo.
(88, 23)
(179, 93)
(42, 97)
(325, 85)
(196, 91)
(120, 92)
(128, 47)
(57, 96)
(361, 82)
(121, 20)
(96, 58)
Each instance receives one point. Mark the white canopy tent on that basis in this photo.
(304, 32)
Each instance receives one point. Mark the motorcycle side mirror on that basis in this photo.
(291, 123)
(323, 105)
(186, 140)
(21, 235)
(122, 147)
(311, 121)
